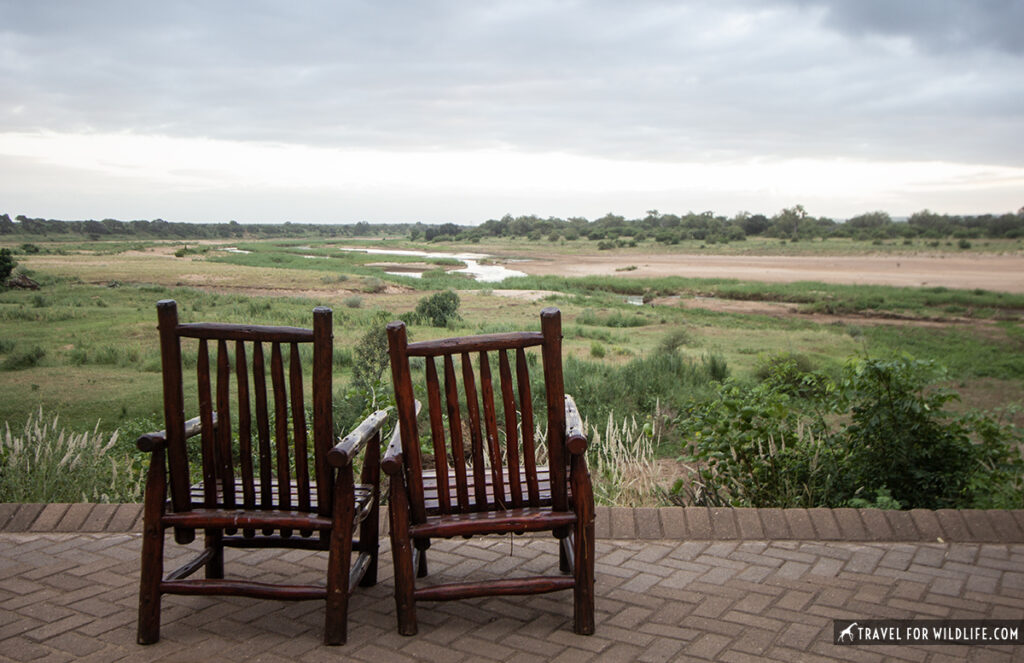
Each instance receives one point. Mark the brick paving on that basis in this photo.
(732, 595)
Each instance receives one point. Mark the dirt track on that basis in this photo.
(990, 272)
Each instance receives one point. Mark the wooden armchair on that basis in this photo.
(489, 483)
(260, 488)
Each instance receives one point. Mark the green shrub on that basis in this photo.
(716, 366)
(17, 361)
(675, 339)
(7, 264)
(897, 445)
(439, 309)
(596, 350)
(374, 285)
(353, 301)
(790, 372)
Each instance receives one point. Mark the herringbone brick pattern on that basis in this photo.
(67, 597)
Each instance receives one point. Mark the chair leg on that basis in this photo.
(152, 567)
(338, 570)
(421, 566)
(583, 588)
(369, 542)
(149, 584)
(215, 567)
(563, 559)
(401, 555)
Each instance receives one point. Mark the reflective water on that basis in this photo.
(482, 273)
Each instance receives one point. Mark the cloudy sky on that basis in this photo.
(341, 111)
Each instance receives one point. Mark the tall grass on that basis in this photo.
(43, 462)
(622, 462)
(636, 388)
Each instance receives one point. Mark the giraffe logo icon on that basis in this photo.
(847, 632)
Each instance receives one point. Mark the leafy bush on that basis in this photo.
(792, 373)
(438, 309)
(675, 339)
(374, 285)
(7, 264)
(897, 445)
(21, 360)
(716, 366)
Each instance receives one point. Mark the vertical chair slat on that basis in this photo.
(526, 408)
(284, 492)
(206, 418)
(511, 437)
(323, 419)
(299, 429)
(475, 438)
(401, 379)
(451, 396)
(551, 327)
(244, 427)
(224, 456)
(244, 431)
(491, 430)
(437, 433)
(259, 385)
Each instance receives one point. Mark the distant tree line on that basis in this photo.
(609, 231)
(160, 229)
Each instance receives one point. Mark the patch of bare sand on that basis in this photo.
(526, 295)
(1003, 273)
(780, 310)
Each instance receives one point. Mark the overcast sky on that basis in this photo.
(340, 111)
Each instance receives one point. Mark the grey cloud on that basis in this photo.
(657, 80)
(939, 25)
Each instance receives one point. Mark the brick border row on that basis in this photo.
(682, 523)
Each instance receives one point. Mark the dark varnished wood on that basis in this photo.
(437, 433)
(495, 485)
(303, 493)
(466, 344)
(451, 398)
(234, 332)
(511, 430)
(507, 587)
(491, 432)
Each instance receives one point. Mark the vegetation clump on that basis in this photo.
(439, 309)
(7, 264)
(43, 462)
(879, 436)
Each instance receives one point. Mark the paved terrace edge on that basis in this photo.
(643, 523)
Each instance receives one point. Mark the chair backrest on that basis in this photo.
(483, 472)
(255, 452)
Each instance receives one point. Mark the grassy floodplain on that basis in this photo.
(84, 345)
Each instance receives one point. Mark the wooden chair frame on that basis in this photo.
(505, 490)
(268, 494)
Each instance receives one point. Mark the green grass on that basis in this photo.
(99, 358)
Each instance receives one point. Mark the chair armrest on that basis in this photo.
(158, 440)
(349, 446)
(392, 461)
(575, 438)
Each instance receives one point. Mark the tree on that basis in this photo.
(870, 220)
(438, 309)
(7, 264)
(370, 355)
